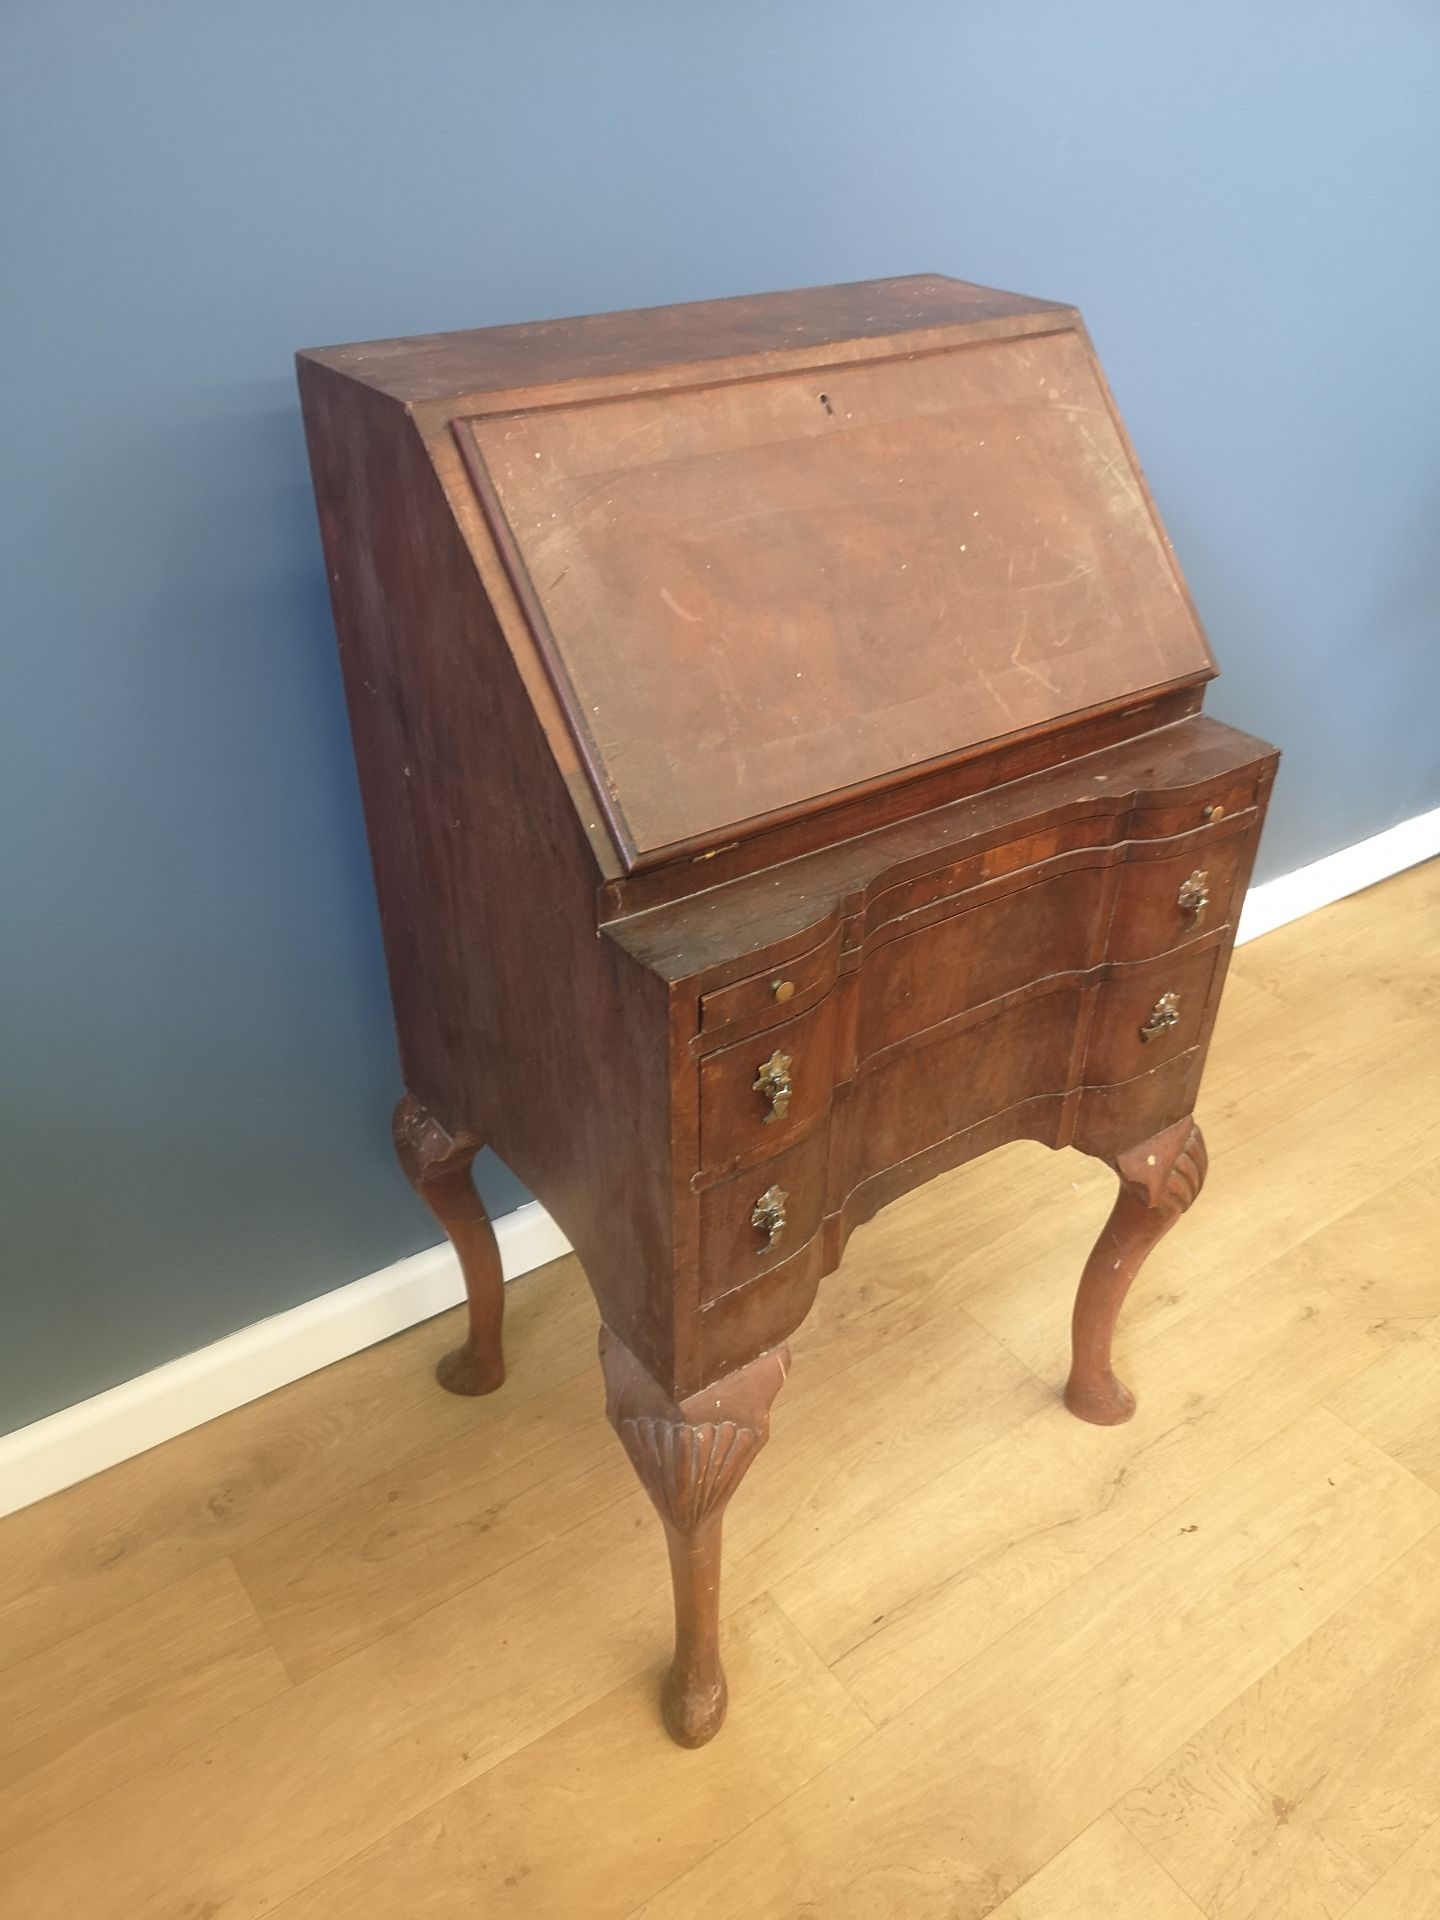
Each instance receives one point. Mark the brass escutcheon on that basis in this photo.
(769, 1215)
(775, 1083)
(1194, 895)
(1162, 1016)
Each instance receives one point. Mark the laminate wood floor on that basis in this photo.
(364, 1650)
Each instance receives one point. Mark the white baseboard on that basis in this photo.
(82, 1440)
(1293, 895)
(184, 1393)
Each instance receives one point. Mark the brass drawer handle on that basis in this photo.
(1194, 896)
(1162, 1016)
(782, 990)
(776, 1085)
(769, 1216)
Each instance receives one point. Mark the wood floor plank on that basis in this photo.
(899, 1275)
(1306, 1789)
(1411, 1889)
(422, 1710)
(1262, 1199)
(1378, 938)
(105, 1544)
(952, 1806)
(386, 1552)
(1317, 1003)
(1261, 1078)
(119, 1697)
(335, 1763)
(1103, 1873)
(641, 1810)
(941, 1573)
(825, 1478)
(1396, 1401)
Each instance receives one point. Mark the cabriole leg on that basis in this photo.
(1158, 1180)
(438, 1167)
(691, 1455)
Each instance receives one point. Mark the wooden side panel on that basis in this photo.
(515, 1021)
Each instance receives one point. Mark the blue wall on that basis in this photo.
(197, 1061)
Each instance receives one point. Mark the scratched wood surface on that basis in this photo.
(363, 1649)
(816, 578)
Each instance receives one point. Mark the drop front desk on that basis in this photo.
(779, 728)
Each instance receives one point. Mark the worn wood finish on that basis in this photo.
(691, 1456)
(1159, 1179)
(779, 729)
(744, 550)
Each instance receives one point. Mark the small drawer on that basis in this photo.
(773, 995)
(1147, 1014)
(759, 1094)
(1165, 903)
(742, 1236)
(1208, 808)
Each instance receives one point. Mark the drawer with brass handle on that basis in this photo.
(765, 998)
(774, 1082)
(1194, 896)
(1163, 903)
(756, 1222)
(1164, 1015)
(1208, 808)
(758, 1093)
(767, 1217)
(1144, 1014)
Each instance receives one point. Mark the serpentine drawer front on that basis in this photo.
(779, 725)
(1167, 899)
(911, 981)
(759, 1093)
(775, 995)
(1146, 1011)
(753, 1225)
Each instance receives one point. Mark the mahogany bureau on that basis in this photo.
(779, 728)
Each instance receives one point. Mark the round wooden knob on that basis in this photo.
(783, 990)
